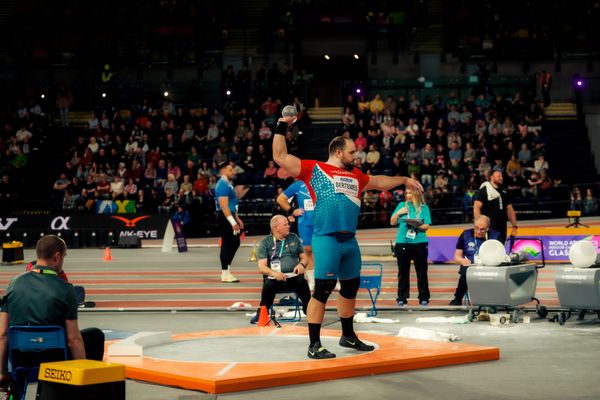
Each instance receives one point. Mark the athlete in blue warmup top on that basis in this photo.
(230, 224)
(335, 188)
(304, 214)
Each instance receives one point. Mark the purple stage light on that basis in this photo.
(579, 83)
(357, 90)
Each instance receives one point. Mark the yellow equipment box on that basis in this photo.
(12, 252)
(81, 380)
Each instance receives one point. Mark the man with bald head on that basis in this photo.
(336, 188)
(282, 261)
(467, 252)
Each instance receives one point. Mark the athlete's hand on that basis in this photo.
(240, 223)
(414, 185)
(291, 219)
(236, 229)
(298, 211)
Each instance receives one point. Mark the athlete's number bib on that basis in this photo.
(411, 234)
(346, 185)
(308, 205)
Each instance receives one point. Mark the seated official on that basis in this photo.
(79, 290)
(42, 297)
(467, 252)
(281, 259)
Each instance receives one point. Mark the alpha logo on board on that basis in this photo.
(60, 223)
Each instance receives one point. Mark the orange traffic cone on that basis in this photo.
(263, 317)
(107, 255)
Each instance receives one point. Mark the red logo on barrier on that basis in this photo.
(131, 223)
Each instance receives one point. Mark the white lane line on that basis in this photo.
(226, 369)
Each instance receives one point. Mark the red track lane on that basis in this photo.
(254, 302)
(229, 288)
(175, 273)
(134, 288)
(246, 290)
(125, 282)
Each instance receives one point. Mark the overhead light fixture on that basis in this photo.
(327, 57)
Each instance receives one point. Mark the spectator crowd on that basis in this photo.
(164, 157)
(451, 145)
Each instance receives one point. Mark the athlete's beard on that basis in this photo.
(348, 166)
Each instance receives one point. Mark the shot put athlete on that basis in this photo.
(335, 187)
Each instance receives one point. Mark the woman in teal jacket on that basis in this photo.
(414, 219)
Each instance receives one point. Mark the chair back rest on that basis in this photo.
(36, 339)
(371, 275)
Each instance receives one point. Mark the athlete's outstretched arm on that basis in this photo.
(383, 182)
(280, 155)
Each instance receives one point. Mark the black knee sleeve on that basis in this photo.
(323, 288)
(349, 287)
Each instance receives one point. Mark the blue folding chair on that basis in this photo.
(28, 346)
(370, 279)
(292, 301)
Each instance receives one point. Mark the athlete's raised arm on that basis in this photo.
(280, 155)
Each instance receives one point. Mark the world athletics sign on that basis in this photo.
(556, 248)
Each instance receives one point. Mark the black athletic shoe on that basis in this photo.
(355, 343)
(455, 302)
(318, 352)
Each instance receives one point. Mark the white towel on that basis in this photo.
(424, 334)
(361, 318)
(492, 192)
(443, 320)
(239, 306)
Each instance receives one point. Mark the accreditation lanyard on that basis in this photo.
(408, 206)
(275, 247)
(411, 231)
(44, 271)
(478, 242)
